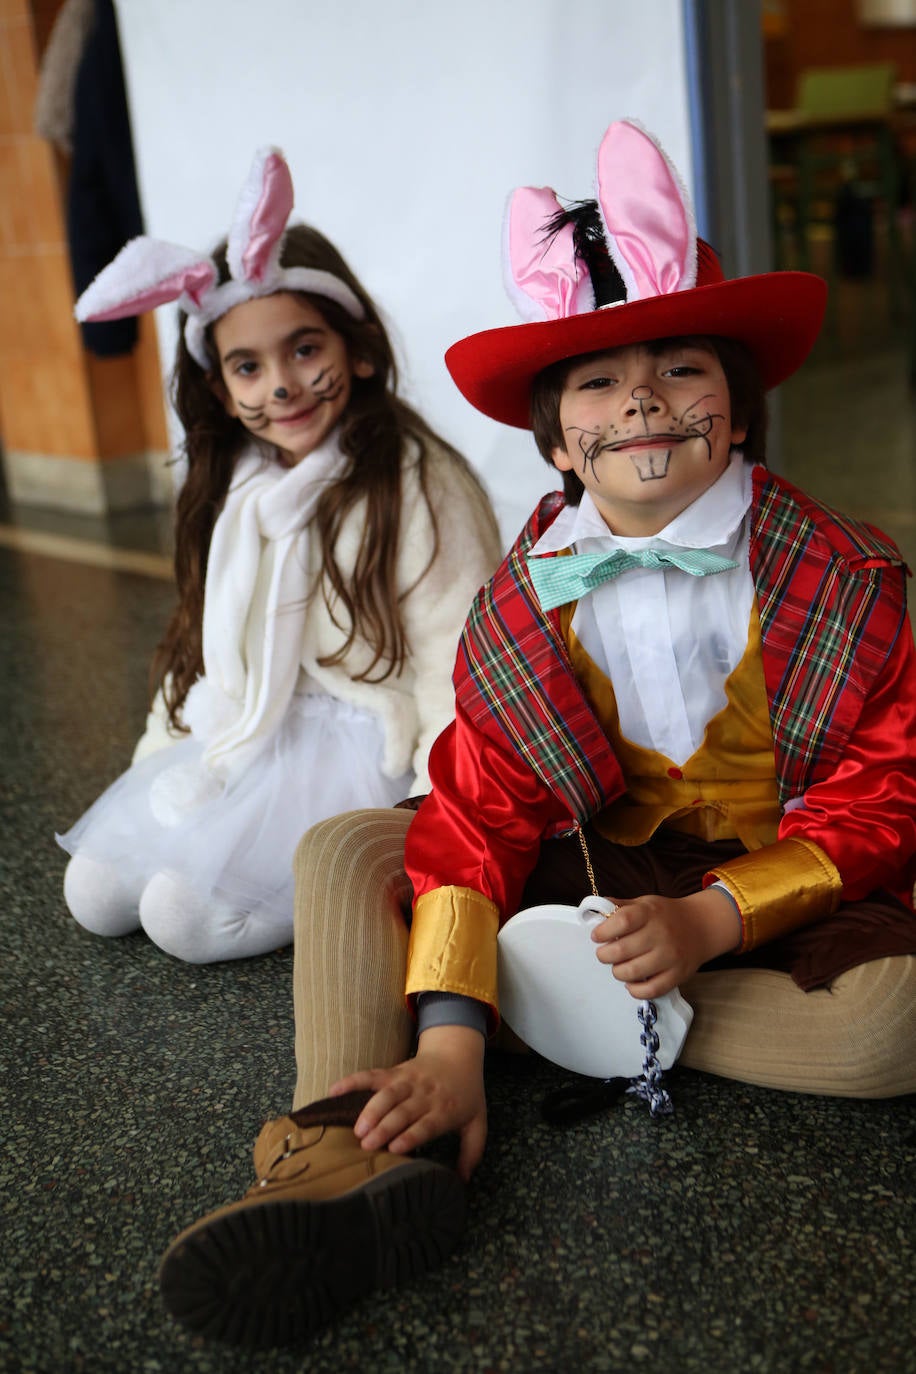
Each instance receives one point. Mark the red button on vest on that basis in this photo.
(675, 773)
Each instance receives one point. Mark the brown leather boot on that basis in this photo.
(326, 1223)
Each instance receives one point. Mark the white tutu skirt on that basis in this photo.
(236, 845)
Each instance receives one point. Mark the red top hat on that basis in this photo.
(673, 284)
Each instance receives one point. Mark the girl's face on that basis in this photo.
(648, 432)
(284, 373)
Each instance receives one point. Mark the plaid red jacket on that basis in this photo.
(527, 758)
(831, 598)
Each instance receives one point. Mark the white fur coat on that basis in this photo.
(416, 706)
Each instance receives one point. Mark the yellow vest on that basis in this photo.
(725, 790)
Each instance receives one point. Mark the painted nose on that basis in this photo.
(285, 382)
(644, 401)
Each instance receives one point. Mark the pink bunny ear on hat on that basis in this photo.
(673, 281)
(648, 221)
(544, 277)
(264, 206)
(146, 273)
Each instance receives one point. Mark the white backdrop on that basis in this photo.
(406, 124)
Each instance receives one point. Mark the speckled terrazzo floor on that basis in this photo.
(751, 1231)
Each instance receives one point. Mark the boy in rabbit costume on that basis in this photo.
(703, 674)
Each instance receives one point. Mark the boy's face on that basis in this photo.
(647, 431)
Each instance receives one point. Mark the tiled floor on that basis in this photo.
(751, 1231)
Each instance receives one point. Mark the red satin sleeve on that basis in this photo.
(481, 826)
(864, 815)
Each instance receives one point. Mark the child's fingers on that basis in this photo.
(620, 922)
(420, 1131)
(644, 966)
(656, 986)
(392, 1108)
(360, 1081)
(431, 1125)
(394, 1120)
(381, 1118)
(473, 1140)
(624, 949)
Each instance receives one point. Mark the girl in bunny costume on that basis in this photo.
(685, 666)
(328, 546)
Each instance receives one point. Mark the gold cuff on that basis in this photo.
(779, 888)
(453, 944)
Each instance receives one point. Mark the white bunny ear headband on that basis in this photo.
(665, 282)
(149, 272)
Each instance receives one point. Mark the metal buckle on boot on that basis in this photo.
(289, 1151)
(287, 1154)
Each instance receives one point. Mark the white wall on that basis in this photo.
(406, 124)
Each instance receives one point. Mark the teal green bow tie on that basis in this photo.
(559, 580)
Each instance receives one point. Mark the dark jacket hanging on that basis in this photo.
(103, 204)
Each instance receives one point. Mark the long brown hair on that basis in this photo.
(377, 430)
(745, 388)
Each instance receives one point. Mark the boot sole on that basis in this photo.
(272, 1273)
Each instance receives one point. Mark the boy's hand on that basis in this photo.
(439, 1090)
(653, 943)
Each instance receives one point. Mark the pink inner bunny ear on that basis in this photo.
(648, 220)
(146, 273)
(263, 209)
(545, 279)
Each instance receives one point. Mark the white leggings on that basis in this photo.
(174, 917)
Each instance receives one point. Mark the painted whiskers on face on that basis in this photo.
(254, 417)
(328, 384)
(325, 386)
(651, 464)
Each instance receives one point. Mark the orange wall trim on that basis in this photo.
(63, 412)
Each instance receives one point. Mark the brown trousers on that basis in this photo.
(855, 1036)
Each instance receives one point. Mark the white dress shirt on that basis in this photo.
(667, 640)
